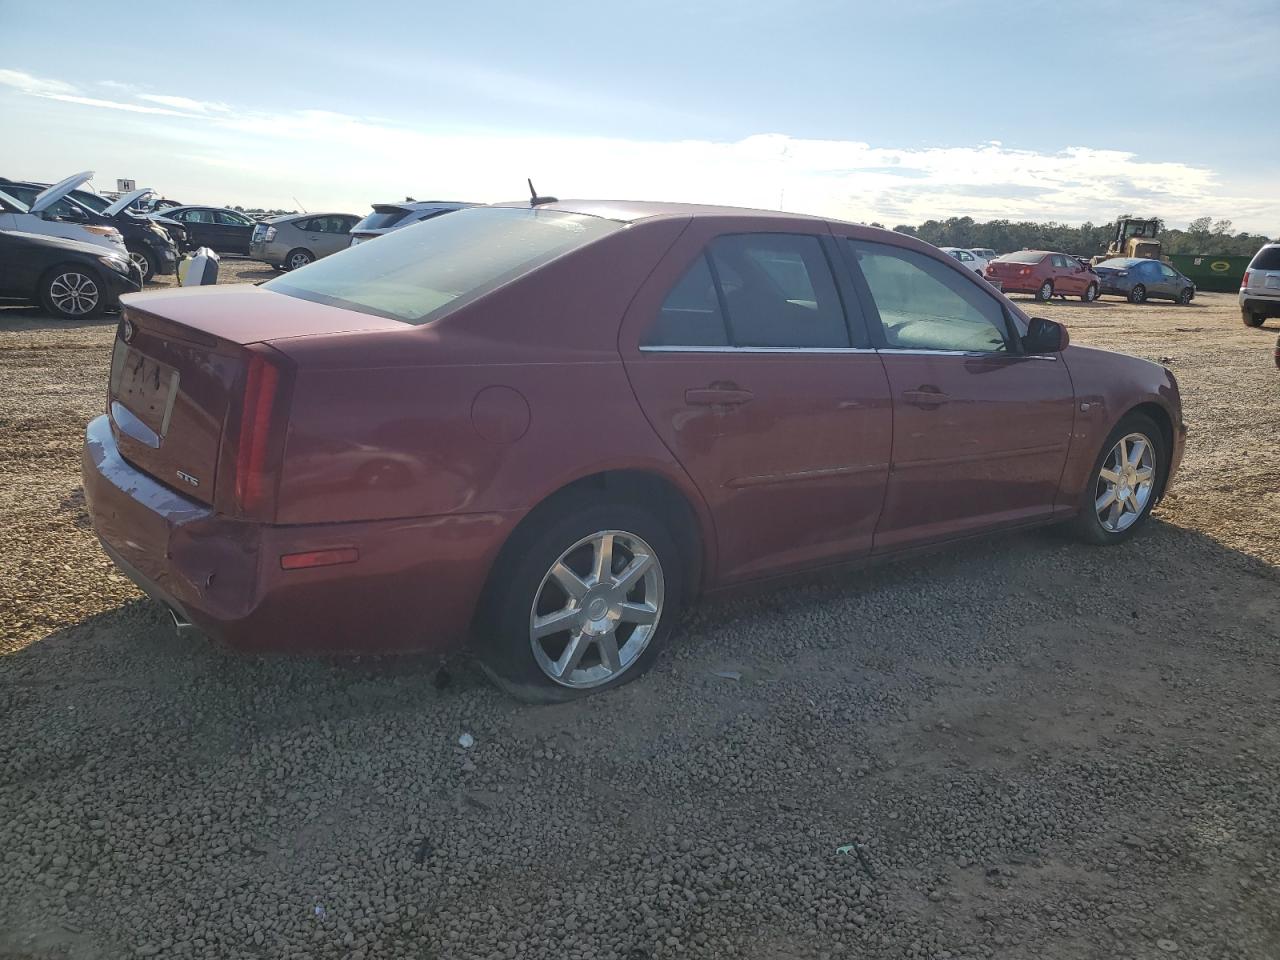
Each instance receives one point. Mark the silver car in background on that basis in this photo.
(293, 241)
(1260, 289)
(392, 216)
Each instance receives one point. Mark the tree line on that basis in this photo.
(1202, 236)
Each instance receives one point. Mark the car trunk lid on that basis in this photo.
(186, 369)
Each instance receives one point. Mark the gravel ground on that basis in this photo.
(1022, 747)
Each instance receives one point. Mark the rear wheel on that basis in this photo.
(1123, 485)
(1252, 319)
(1138, 294)
(1090, 293)
(1045, 292)
(72, 293)
(1187, 295)
(298, 258)
(581, 601)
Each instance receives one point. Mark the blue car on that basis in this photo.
(1138, 280)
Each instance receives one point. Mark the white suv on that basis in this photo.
(1260, 288)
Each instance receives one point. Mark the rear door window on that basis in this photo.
(778, 291)
(691, 314)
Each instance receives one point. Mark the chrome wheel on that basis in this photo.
(299, 259)
(74, 294)
(1138, 295)
(1090, 293)
(142, 263)
(1185, 296)
(1046, 291)
(1125, 483)
(596, 609)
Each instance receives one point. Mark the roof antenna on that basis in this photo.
(534, 199)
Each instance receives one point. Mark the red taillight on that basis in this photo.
(319, 558)
(255, 431)
(1244, 281)
(1024, 272)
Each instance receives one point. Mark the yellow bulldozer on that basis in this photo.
(1133, 238)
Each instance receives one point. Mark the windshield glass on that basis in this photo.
(419, 273)
(1023, 256)
(381, 219)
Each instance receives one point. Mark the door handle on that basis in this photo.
(718, 397)
(926, 397)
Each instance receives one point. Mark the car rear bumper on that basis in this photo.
(268, 252)
(1254, 302)
(414, 586)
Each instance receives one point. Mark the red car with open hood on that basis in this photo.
(544, 429)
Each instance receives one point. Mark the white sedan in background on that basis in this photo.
(968, 259)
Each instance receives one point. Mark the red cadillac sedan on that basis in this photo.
(1044, 274)
(544, 429)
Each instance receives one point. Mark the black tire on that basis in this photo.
(1187, 295)
(1090, 293)
(1138, 294)
(1045, 293)
(297, 259)
(1087, 526)
(145, 261)
(504, 639)
(1252, 319)
(55, 288)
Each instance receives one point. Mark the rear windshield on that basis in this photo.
(381, 219)
(1023, 256)
(1268, 258)
(421, 272)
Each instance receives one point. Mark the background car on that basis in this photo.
(1260, 287)
(390, 449)
(71, 279)
(1138, 279)
(969, 259)
(986, 253)
(222, 230)
(150, 246)
(294, 241)
(393, 216)
(1043, 274)
(40, 218)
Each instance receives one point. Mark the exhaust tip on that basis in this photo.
(181, 625)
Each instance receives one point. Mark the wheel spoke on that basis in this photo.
(1110, 476)
(1135, 455)
(1105, 500)
(570, 582)
(626, 581)
(607, 644)
(602, 567)
(556, 622)
(1145, 475)
(572, 655)
(1122, 454)
(638, 612)
(1117, 511)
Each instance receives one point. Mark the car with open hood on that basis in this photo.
(40, 217)
(71, 279)
(150, 246)
(542, 428)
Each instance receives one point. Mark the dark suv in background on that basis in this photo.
(1260, 287)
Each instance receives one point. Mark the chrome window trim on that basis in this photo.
(720, 349)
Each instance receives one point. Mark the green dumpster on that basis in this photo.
(1210, 272)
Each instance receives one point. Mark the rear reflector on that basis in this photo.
(319, 558)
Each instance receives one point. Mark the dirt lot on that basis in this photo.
(1020, 748)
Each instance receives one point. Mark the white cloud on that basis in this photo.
(328, 159)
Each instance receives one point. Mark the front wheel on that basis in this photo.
(72, 293)
(145, 261)
(1090, 293)
(581, 601)
(1138, 294)
(1124, 483)
(1187, 295)
(1045, 292)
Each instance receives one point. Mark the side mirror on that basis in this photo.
(1045, 336)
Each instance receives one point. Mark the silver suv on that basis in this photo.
(392, 216)
(1260, 288)
(295, 240)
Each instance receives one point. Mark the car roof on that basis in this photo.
(280, 218)
(630, 211)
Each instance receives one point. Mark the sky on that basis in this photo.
(868, 111)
